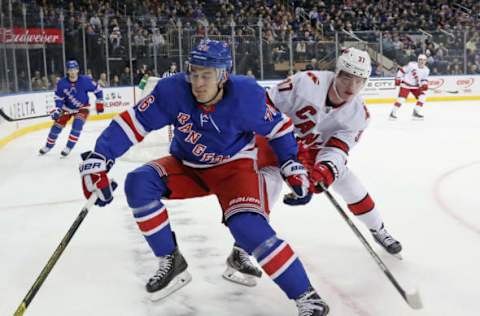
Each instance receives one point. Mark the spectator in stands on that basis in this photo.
(115, 41)
(95, 22)
(172, 70)
(301, 50)
(45, 83)
(473, 69)
(125, 79)
(250, 73)
(157, 39)
(37, 81)
(115, 81)
(313, 65)
(102, 81)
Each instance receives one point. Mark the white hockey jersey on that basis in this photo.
(333, 130)
(413, 76)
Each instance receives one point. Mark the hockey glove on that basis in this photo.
(323, 172)
(295, 175)
(99, 106)
(398, 81)
(293, 200)
(93, 171)
(55, 114)
(424, 87)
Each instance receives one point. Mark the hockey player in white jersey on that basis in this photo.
(330, 117)
(412, 78)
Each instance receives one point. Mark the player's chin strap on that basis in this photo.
(336, 91)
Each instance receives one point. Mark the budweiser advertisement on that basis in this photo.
(31, 36)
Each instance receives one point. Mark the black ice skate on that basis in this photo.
(66, 151)
(384, 239)
(240, 269)
(44, 150)
(416, 115)
(311, 304)
(171, 275)
(393, 116)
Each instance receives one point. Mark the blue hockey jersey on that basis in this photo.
(203, 138)
(71, 96)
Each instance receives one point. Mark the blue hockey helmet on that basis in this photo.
(212, 54)
(72, 64)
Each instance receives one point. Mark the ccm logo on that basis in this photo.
(89, 166)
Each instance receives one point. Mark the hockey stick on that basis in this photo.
(53, 259)
(412, 299)
(9, 119)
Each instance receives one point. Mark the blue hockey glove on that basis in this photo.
(295, 175)
(292, 200)
(55, 114)
(93, 171)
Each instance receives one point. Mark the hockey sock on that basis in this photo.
(366, 211)
(254, 234)
(144, 189)
(53, 135)
(73, 138)
(77, 127)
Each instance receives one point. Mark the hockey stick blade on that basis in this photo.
(414, 300)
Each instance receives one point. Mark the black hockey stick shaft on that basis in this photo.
(54, 257)
(413, 300)
(9, 119)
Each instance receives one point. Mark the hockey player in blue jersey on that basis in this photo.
(216, 118)
(71, 100)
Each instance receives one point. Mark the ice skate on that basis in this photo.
(240, 268)
(390, 244)
(416, 115)
(66, 151)
(311, 304)
(171, 275)
(44, 150)
(393, 116)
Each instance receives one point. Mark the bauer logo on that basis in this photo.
(145, 103)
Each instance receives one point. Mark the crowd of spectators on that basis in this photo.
(446, 31)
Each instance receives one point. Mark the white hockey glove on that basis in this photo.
(295, 175)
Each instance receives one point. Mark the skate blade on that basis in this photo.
(416, 118)
(177, 283)
(240, 278)
(390, 118)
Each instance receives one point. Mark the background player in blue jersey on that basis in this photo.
(216, 117)
(71, 100)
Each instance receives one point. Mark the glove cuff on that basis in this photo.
(330, 169)
(96, 163)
